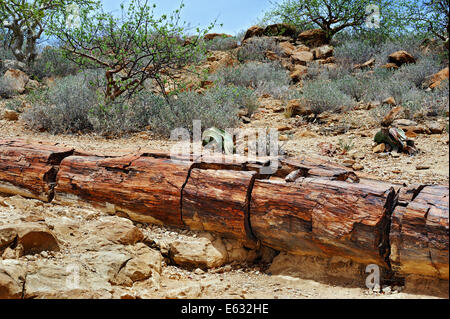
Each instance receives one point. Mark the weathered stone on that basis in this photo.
(16, 80)
(323, 52)
(10, 115)
(313, 38)
(401, 57)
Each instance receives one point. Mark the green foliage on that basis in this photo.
(325, 95)
(65, 107)
(221, 44)
(334, 16)
(255, 49)
(15, 105)
(52, 62)
(264, 78)
(429, 17)
(132, 47)
(6, 90)
(218, 107)
(27, 21)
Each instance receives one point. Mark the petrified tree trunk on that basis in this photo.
(322, 217)
(306, 207)
(419, 235)
(147, 189)
(30, 169)
(218, 201)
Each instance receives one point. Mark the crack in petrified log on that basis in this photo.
(419, 235)
(322, 217)
(323, 209)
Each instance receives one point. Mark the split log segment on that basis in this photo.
(315, 167)
(322, 217)
(146, 189)
(420, 235)
(218, 201)
(30, 170)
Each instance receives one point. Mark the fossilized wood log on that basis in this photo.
(420, 233)
(30, 169)
(322, 217)
(307, 206)
(218, 201)
(147, 189)
(315, 167)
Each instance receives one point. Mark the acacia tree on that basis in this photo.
(27, 21)
(429, 16)
(130, 48)
(332, 16)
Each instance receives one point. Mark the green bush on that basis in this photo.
(254, 49)
(325, 95)
(264, 78)
(65, 107)
(52, 62)
(354, 86)
(6, 91)
(221, 44)
(218, 107)
(417, 72)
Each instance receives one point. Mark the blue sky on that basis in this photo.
(235, 15)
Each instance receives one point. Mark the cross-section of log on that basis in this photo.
(217, 201)
(145, 188)
(322, 217)
(29, 169)
(420, 235)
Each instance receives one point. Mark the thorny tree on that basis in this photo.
(131, 48)
(27, 20)
(430, 16)
(332, 16)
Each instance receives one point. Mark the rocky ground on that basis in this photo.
(80, 252)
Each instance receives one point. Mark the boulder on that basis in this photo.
(280, 29)
(272, 56)
(298, 107)
(368, 64)
(212, 36)
(203, 252)
(390, 66)
(435, 80)
(390, 101)
(10, 115)
(391, 116)
(13, 64)
(147, 264)
(32, 237)
(323, 52)
(302, 57)
(16, 80)
(254, 31)
(298, 72)
(118, 230)
(287, 48)
(12, 277)
(401, 57)
(435, 127)
(313, 38)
